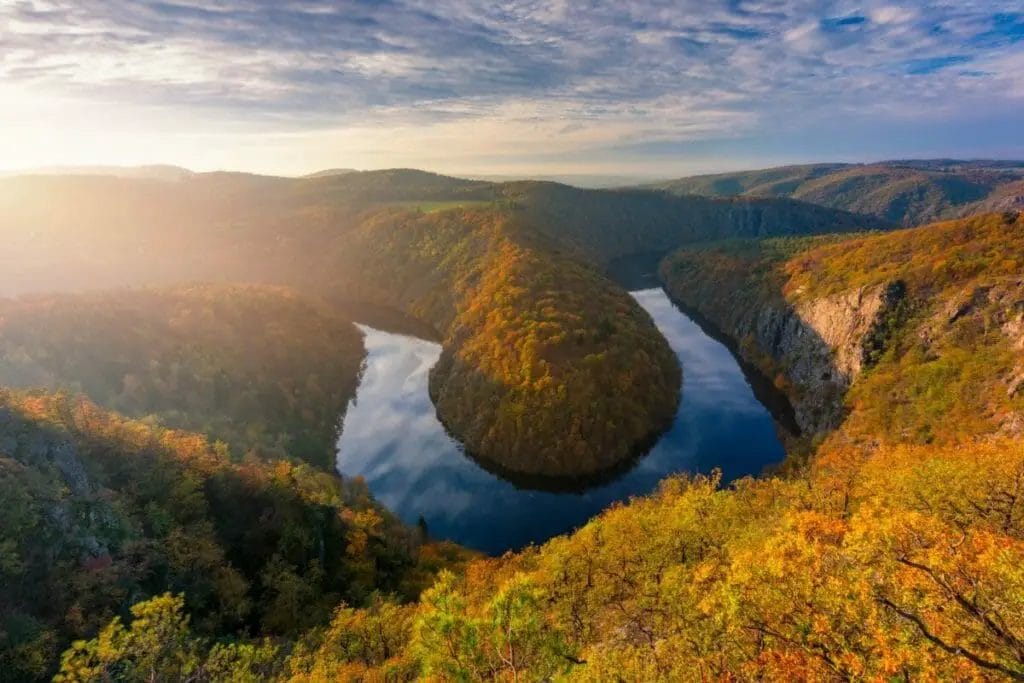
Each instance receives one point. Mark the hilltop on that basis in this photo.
(907, 192)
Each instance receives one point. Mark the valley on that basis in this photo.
(518, 342)
(392, 440)
(819, 480)
(567, 376)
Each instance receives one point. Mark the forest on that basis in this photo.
(907, 193)
(261, 369)
(902, 563)
(100, 512)
(170, 509)
(547, 367)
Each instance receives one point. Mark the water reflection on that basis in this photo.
(392, 438)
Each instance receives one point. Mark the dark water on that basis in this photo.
(392, 438)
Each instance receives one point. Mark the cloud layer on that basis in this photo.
(501, 84)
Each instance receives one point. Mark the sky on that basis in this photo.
(627, 87)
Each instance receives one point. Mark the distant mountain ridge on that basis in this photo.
(592, 181)
(907, 192)
(151, 171)
(330, 172)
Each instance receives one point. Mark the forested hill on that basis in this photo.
(65, 232)
(904, 192)
(547, 367)
(610, 224)
(260, 368)
(100, 512)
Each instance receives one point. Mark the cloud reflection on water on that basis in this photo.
(393, 439)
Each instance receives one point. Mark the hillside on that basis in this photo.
(904, 564)
(609, 224)
(100, 512)
(907, 337)
(256, 367)
(547, 368)
(902, 192)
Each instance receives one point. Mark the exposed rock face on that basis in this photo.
(819, 344)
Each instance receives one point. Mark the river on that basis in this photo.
(392, 438)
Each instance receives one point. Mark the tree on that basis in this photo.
(157, 646)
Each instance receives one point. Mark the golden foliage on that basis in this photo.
(547, 367)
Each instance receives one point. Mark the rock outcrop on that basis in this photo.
(818, 346)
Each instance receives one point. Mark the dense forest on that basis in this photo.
(100, 512)
(259, 368)
(889, 547)
(547, 367)
(903, 192)
(902, 563)
(609, 224)
(939, 364)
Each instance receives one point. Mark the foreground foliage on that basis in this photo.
(906, 565)
(99, 512)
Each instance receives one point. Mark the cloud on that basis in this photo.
(557, 74)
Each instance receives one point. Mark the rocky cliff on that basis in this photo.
(912, 336)
(822, 345)
(813, 347)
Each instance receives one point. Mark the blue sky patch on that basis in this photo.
(920, 67)
(841, 23)
(1006, 29)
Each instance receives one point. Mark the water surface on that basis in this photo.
(392, 438)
